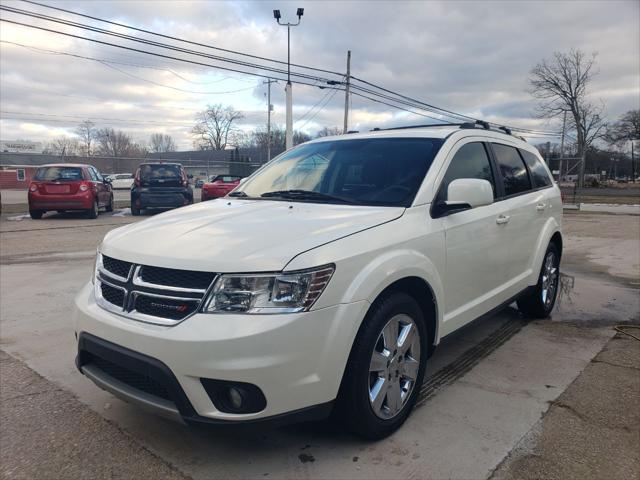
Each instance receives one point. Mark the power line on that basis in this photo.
(179, 39)
(329, 98)
(115, 62)
(151, 53)
(152, 42)
(403, 99)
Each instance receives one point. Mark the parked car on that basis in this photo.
(160, 185)
(325, 280)
(219, 186)
(61, 187)
(121, 181)
(199, 183)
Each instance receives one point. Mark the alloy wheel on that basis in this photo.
(549, 279)
(394, 366)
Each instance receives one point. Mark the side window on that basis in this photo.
(471, 161)
(514, 173)
(539, 176)
(92, 174)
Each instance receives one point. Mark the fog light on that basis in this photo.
(235, 397)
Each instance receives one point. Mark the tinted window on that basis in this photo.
(539, 175)
(153, 172)
(514, 173)
(92, 174)
(471, 161)
(380, 171)
(62, 174)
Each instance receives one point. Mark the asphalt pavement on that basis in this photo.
(492, 390)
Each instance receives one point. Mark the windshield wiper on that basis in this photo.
(238, 194)
(306, 195)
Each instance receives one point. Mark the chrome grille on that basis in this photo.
(162, 296)
(176, 278)
(118, 268)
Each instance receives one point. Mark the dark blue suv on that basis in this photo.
(160, 185)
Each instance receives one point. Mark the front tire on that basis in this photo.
(385, 369)
(109, 207)
(539, 301)
(36, 214)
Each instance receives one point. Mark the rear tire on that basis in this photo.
(36, 214)
(539, 301)
(93, 212)
(375, 398)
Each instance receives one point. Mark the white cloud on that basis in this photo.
(472, 57)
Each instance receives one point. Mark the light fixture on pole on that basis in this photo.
(289, 109)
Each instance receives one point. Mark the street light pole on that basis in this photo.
(289, 108)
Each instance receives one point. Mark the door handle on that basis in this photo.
(502, 219)
(540, 207)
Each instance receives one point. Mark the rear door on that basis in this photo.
(476, 243)
(523, 225)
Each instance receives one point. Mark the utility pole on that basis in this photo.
(289, 109)
(346, 93)
(269, 109)
(564, 126)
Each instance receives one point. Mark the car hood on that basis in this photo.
(232, 235)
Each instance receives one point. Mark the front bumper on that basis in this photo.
(297, 360)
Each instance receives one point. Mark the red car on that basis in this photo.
(69, 186)
(219, 186)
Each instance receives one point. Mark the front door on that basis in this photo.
(476, 251)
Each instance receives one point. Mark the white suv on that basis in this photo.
(323, 282)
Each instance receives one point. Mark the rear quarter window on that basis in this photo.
(539, 175)
(514, 173)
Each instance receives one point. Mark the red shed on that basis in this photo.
(16, 176)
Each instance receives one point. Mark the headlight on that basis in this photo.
(268, 293)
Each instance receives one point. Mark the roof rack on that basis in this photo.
(376, 129)
(467, 125)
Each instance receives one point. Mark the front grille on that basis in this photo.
(129, 377)
(112, 294)
(117, 267)
(164, 296)
(177, 278)
(165, 307)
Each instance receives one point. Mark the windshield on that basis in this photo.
(380, 171)
(59, 174)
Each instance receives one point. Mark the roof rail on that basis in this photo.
(377, 129)
(467, 125)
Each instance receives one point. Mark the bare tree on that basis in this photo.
(562, 85)
(87, 132)
(116, 143)
(215, 126)
(329, 131)
(625, 129)
(160, 143)
(63, 146)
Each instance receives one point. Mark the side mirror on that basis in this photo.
(464, 194)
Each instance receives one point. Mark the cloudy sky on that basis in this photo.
(469, 57)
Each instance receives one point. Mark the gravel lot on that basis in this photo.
(500, 399)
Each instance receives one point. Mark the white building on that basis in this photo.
(20, 146)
